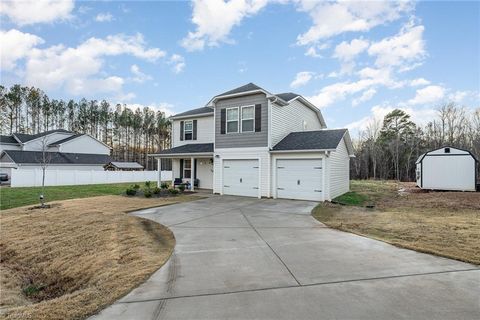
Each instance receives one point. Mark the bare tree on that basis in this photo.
(44, 159)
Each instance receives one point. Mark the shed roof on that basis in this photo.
(311, 140)
(126, 165)
(34, 157)
(189, 148)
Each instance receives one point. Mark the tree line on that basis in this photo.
(132, 134)
(389, 148)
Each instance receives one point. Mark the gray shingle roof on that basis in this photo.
(190, 148)
(245, 88)
(126, 165)
(287, 96)
(65, 140)
(194, 112)
(8, 139)
(23, 137)
(311, 140)
(32, 157)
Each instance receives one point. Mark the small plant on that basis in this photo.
(156, 190)
(164, 185)
(131, 191)
(147, 193)
(136, 186)
(148, 184)
(181, 187)
(33, 289)
(173, 191)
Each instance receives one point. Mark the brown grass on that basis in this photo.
(71, 260)
(441, 223)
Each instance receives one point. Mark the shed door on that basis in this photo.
(240, 177)
(300, 179)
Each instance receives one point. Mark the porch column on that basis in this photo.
(159, 168)
(192, 171)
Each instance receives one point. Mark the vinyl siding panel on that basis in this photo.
(339, 171)
(84, 144)
(243, 153)
(247, 139)
(438, 173)
(204, 131)
(37, 144)
(286, 119)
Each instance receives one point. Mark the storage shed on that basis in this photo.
(447, 168)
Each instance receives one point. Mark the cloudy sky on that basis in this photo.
(353, 59)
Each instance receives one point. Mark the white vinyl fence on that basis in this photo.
(54, 177)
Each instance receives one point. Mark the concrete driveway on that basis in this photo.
(244, 258)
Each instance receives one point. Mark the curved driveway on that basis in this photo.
(244, 258)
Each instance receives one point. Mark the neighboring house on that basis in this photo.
(63, 150)
(250, 142)
(123, 166)
(447, 168)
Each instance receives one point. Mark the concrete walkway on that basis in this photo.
(244, 258)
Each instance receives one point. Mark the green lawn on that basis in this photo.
(17, 197)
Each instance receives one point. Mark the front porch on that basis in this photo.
(192, 164)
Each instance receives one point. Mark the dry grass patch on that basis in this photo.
(441, 223)
(71, 260)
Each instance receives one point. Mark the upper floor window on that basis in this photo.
(232, 120)
(188, 130)
(248, 119)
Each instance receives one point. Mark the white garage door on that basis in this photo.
(299, 179)
(240, 177)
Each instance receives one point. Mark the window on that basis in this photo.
(248, 119)
(304, 125)
(447, 150)
(232, 120)
(187, 168)
(188, 130)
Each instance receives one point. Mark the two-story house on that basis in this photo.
(60, 149)
(250, 142)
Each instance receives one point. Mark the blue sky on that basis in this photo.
(356, 60)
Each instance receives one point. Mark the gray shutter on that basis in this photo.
(181, 168)
(258, 117)
(223, 120)
(181, 130)
(194, 135)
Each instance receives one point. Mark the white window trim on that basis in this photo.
(253, 118)
(185, 130)
(185, 167)
(227, 121)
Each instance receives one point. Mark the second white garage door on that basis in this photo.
(300, 179)
(240, 177)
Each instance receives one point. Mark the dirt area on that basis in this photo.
(441, 223)
(71, 260)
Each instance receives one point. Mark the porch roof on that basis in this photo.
(187, 149)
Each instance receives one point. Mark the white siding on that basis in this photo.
(37, 144)
(84, 144)
(291, 118)
(243, 153)
(205, 173)
(98, 167)
(339, 171)
(205, 132)
(9, 147)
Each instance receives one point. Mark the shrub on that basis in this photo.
(136, 186)
(156, 190)
(147, 193)
(173, 191)
(164, 185)
(148, 184)
(131, 191)
(181, 187)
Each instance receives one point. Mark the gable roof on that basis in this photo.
(245, 88)
(33, 157)
(189, 148)
(423, 155)
(287, 96)
(23, 137)
(56, 143)
(194, 112)
(8, 139)
(311, 140)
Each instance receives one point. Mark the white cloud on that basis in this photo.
(460, 96)
(339, 91)
(313, 51)
(165, 107)
(348, 51)
(428, 95)
(16, 45)
(214, 19)
(366, 95)
(104, 17)
(402, 49)
(333, 18)
(79, 69)
(301, 79)
(178, 63)
(139, 76)
(24, 12)
(419, 82)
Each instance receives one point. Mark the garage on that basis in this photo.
(240, 177)
(300, 179)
